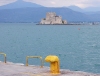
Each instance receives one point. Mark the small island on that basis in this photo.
(52, 19)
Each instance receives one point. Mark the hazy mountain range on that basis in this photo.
(21, 11)
(88, 10)
(19, 4)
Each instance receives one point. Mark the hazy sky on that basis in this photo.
(59, 3)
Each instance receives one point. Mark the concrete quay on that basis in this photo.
(18, 69)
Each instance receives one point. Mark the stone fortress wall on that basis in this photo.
(52, 18)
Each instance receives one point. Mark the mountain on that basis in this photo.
(95, 16)
(36, 14)
(19, 4)
(75, 8)
(87, 10)
(92, 9)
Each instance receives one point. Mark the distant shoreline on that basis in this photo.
(54, 24)
(68, 24)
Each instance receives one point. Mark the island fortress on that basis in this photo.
(52, 18)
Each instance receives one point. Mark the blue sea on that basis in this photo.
(77, 46)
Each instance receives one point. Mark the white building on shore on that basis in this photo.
(52, 18)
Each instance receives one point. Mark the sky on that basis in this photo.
(59, 3)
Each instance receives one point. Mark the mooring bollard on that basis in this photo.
(54, 63)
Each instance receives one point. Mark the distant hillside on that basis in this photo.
(92, 9)
(85, 10)
(19, 4)
(36, 14)
(76, 8)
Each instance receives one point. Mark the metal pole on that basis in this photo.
(4, 56)
(34, 57)
(26, 61)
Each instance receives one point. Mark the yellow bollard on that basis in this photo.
(54, 63)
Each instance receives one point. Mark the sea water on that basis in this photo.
(77, 46)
